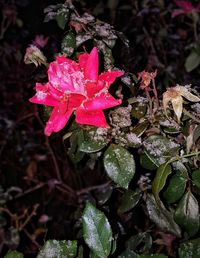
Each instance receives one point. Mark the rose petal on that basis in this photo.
(95, 118)
(185, 5)
(177, 12)
(109, 77)
(93, 87)
(82, 60)
(102, 101)
(57, 121)
(43, 97)
(92, 66)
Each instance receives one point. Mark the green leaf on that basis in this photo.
(93, 141)
(153, 256)
(160, 148)
(196, 133)
(140, 128)
(190, 249)
(128, 254)
(68, 44)
(97, 231)
(147, 162)
(62, 16)
(176, 189)
(139, 110)
(46, 111)
(161, 217)
(73, 152)
(129, 200)
(58, 249)
(192, 61)
(103, 194)
(160, 179)
(13, 254)
(196, 178)
(82, 37)
(119, 165)
(107, 53)
(187, 214)
(142, 240)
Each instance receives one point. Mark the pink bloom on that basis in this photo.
(40, 41)
(185, 7)
(76, 87)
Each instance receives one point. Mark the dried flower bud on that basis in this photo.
(174, 95)
(34, 55)
(146, 78)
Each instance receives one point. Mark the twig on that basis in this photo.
(54, 160)
(35, 188)
(32, 238)
(33, 213)
(92, 188)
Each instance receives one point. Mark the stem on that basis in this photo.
(33, 213)
(150, 101)
(54, 160)
(155, 92)
(92, 188)
(187, 113)
(184, 156)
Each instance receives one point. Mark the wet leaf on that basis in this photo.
(46, 111)
(62, 16)
(107, 53)
(119, 165)
(160, 179)
(152, 256)
(139, 110)
(190, 249)
(68, 44)
(97, 231)
(82, 37)
(14, 254)
(128, 254)
(129, 200)
(161, 217)
(148, 162)
(192, 61)
(104, 194)
(140, 128)
(58, 249)
(175, 189)
(144, 240)
(196, 133)
(160, 148)
(196, 178)
(94, 141)
(187, 214)
(73, 152)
